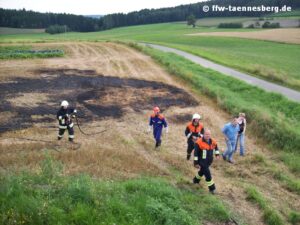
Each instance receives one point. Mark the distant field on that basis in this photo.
(9, 30)
(291, 35)
(272, 61)
(213, 22)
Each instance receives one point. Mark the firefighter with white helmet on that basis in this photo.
(64, 117)
(193, 131)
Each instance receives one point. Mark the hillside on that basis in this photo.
(133, 83)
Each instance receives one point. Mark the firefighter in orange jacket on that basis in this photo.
(193, 131)
(205, 149)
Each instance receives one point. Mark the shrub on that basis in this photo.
(267, 24)
(57, 29)
(230, 25)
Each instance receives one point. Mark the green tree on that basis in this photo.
(191, 20)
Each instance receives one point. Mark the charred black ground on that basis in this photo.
(96, 96)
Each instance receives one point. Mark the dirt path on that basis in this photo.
(115, 87)
(268, 86)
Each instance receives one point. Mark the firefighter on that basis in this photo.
(156, 122)
(193, 131)
(205, 149)
(64, 117)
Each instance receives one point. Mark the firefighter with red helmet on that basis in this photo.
(205, 149)
(157, 122)
(193, 131)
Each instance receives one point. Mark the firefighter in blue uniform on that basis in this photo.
(64, 117)
(157, 122)
(205, 149)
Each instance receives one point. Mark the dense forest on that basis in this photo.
(30, 19)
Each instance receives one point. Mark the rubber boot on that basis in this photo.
(212, 189)
(188, 156)
(196, 180)
(158, 144)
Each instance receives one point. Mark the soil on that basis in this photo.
(96, 97)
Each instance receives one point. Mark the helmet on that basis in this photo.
(64, 103)
(196, 116)
(156, 109)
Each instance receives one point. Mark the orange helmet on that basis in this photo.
(156, 109)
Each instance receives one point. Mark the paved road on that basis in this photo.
(268, 86)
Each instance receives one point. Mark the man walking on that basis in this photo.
(157, 122)
(205, 149)
(230, 131)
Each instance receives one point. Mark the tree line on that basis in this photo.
(31, 19)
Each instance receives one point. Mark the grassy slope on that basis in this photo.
(48, 197)
(270, 116)
(272, 61)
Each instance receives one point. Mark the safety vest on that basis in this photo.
(193, 128)
(203, 145)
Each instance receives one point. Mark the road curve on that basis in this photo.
(268, 86)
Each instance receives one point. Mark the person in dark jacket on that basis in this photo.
(64, 117)
(157, 122)
(205, 149)
(193, 131)
(241, 134)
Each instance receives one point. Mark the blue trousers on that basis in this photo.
(157, 135)
(230, 149)
(241, 140)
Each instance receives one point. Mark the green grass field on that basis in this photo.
(9, 30)
(27, 51)
(272, 61)
(214, 22)
(48, 197)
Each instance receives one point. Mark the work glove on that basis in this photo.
(167, 130)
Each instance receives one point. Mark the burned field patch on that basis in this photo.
(28, 101)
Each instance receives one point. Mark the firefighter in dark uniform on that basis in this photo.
(205, 149)
(64, 117)
(193, 131)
